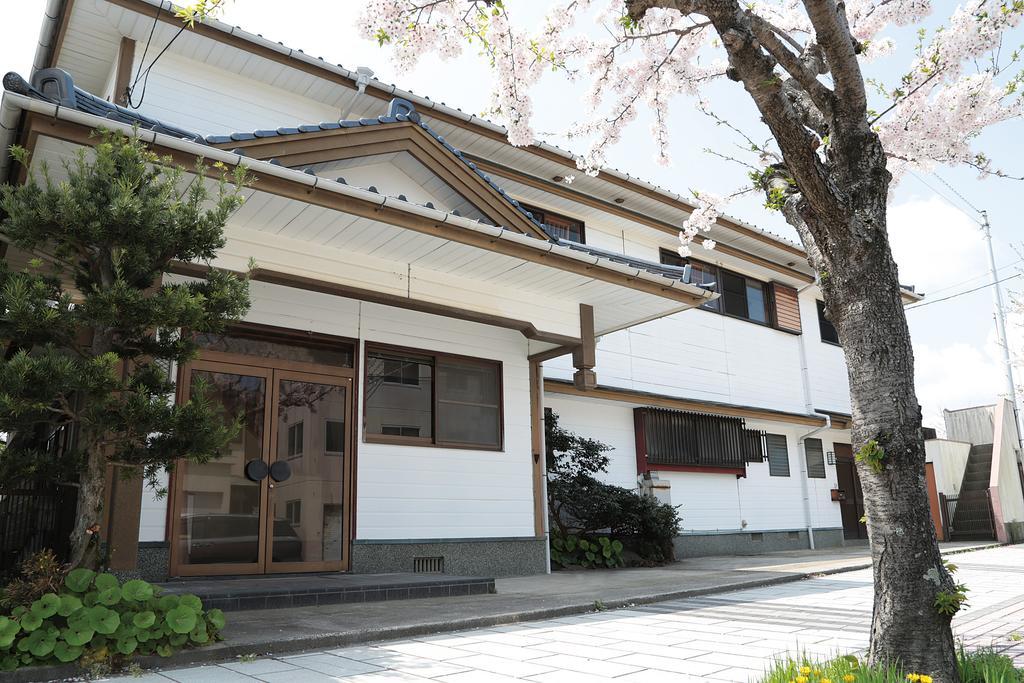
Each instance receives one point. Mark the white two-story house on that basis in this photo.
(424, 292)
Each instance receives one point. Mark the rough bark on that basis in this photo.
(836, 200)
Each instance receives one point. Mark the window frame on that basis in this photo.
(768, 455)
(807, 459)
(819, 305)
(298, 428)
(718, 305)
(433, 440)
(539, 214)
(327, 422)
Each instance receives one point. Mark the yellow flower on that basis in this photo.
(925, 679)
(914, 678)
(826, 680)
(805, 670)
(801, 679)
(849, 678)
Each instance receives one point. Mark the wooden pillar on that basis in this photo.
(537, 448)
(935, 503)
(122, 79)
(584, 357)
(124, 510)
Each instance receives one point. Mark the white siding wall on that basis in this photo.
(1005, 475)
(949, 460)
(830, 387)
(713, 502)
(407, 492)
(701, 355)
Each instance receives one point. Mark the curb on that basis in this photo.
(226, 652)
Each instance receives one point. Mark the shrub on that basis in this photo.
(980, 666)
(98, 621)
(571, 551)
(586, 509)
(41, 573)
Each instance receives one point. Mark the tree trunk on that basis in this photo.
(85, 537)
(862, 297)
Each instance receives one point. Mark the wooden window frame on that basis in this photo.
(819, 306)
(675, 259)
(768, 458)
(433, 440)
(539, 214)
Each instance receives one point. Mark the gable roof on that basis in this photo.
(400, 129)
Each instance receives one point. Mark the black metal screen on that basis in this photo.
(674, 437)
(35, 515)
(969, 516)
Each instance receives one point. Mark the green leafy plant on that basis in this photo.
(951, 602)
(980, 666)
(101, 623)
(585, 509)
(872, 455)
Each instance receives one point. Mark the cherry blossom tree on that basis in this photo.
(839, 140)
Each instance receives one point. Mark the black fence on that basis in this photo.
(968, 517)
(35, 515)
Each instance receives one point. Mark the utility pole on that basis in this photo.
(1004, 344)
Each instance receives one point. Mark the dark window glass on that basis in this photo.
(700, 274)
(561, 227)
(778, 455)
(825, 326)
(295, 436)
(293, 511)
(734, 292)
(468, 403)
(399, 430)
(741, 296)
(334, 437)
(815, 459)
(399, 391)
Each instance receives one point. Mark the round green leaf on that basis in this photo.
(103, 620)
(181, 619)
(164, 650)
(215, 617)
(69, 604)
(66, 653)
(41, 643)
(8, 662)
(199, 634)
(109, 596)
(192, 602)
(98, 642)
(136, 590)
(127, 646)
(178, 639)
(78, 580)
(30, 621)
(143, 635)
(80, 620)
(77, 637)
(617, 546)
(46, 606)
(126, 629)
(106, 582)
(89, 599)
(144, 619)
(168, 602)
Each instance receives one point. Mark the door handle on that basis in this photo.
(256, 470)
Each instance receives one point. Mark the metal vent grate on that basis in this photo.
(428, 565)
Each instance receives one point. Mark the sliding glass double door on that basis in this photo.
(278, 498)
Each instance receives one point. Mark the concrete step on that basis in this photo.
(307, 590)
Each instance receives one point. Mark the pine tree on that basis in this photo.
(90, 331)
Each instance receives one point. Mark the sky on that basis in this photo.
(933, 222)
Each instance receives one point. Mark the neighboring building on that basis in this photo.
(424, 291)
(977, 475)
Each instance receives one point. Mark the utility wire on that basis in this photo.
(144, 74)
(966, 291)
(976, 277)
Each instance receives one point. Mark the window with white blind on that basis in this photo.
(815, 459)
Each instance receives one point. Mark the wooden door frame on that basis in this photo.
(176, 566)
(279, 375)
(266, 367)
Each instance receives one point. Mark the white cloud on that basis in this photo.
(935, 245)
(955, 376)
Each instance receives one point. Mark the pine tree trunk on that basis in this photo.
(863, 300)
(86, 537)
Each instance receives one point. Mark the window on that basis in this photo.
(334, 437)
(674, 438)
(561, 227)
(293, 512)
(295, 440)
(455, 401)
(741, 296)
(825, 326)
(815, 459)
(778, 455)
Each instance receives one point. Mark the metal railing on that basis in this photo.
(674, 437)
(968, 516)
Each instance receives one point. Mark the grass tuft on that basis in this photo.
(980, 666)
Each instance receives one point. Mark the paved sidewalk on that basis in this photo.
(720, 637)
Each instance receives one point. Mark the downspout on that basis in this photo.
(805, 377)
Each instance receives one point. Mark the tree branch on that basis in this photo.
(833, 35)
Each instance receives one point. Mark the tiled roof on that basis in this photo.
(57, 86)
(399, 110)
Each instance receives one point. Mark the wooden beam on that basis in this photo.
(563, 388)
(537, 448)
(273, 184)
(584, 356)
(308, 284)
(123, 77)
